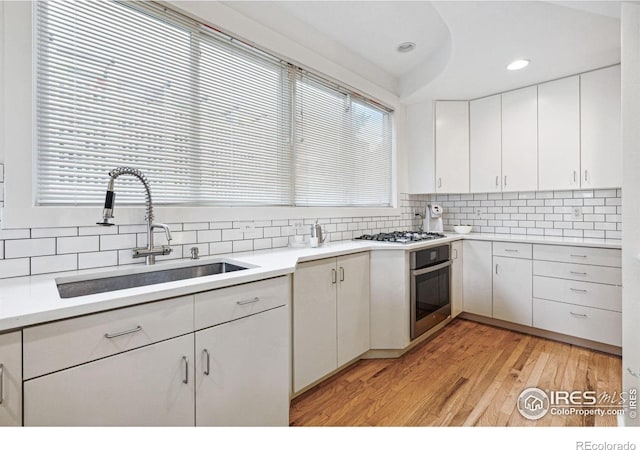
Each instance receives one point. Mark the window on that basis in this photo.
(209, 120)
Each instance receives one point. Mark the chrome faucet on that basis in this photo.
(150, 251)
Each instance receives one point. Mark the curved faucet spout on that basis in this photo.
(107, 214)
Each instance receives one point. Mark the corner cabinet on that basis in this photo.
(477, 266)
(452, 146)
(11, 379)
(457, 285)
(330, 316)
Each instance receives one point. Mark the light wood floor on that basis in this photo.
(469, 375)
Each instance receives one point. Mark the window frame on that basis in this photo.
(19, 148)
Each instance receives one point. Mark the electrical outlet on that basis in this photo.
(247, 226)
(298, 226)
(576, 212)
(478, 212)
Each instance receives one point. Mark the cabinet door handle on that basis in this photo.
(341, 273)
(455, 253)
(497, 180)
(575, 175)
(1, 383)
(439, 182)
(582, 316)
(185, 360)
(207, 365)
(583, 291)
(122, 333)
(496, 269)
(247, 302)
(578, 256)
(334, 276)
(586, 175)
(578, 273)
(505, 180)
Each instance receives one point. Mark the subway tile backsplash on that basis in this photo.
(46, 250)
(585, 213)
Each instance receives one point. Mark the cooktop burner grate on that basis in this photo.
(401, 237)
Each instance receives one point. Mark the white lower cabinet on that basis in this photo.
(457, 285)
(512, 290)
(152, 385)
(11, 379)
(574, 320)
(241, 371)
(477, 268)
(330, 316)
(235, 370)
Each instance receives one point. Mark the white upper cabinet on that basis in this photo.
(559, 134)
(520, 140)
(485, 151)
(452, 146)
(600, 130)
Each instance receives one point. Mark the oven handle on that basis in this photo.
(415, 273)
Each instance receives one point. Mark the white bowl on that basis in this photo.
(462, 229)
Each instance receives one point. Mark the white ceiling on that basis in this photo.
(462, 47)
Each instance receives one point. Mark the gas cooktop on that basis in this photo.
(401, 237)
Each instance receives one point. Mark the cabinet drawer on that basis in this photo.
(224, 305)
(578, 272)
(595, 295)
(578, 255)
(58, 345)
(512, 250)
(580, 321)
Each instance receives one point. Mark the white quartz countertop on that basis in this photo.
(26, 301)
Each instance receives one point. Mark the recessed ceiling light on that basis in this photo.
(518, 64)
(406, 47)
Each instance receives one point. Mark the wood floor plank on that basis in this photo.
(470, 374)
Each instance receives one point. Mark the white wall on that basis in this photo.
(631, 213)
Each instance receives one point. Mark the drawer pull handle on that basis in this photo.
(334, 276)
(582, 316)
(578, 256)
(510, 250)
(248, 302)
(584, 291)
(341, 273)
(122, 333)
(207, 365)
(578, 273)
(1, 383)
(185, 380)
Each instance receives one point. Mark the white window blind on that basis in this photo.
(202, 118)
(343, 151)
(209, 120)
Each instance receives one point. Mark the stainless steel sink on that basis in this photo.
(70, 289)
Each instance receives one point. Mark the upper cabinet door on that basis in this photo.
(485, 150)
(520, 140)
(452, 147)
(601, 141)
(559, 134)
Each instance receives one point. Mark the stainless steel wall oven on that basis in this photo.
(430, 288)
